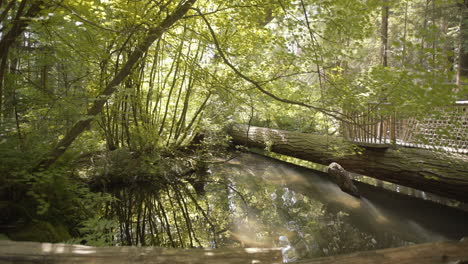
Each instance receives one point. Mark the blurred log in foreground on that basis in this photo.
(450, 252)
(33, 252)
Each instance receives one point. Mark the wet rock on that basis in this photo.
(341, 177)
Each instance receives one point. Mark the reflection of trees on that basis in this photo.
(170, 216)
(337, 235)
(159, 201)
(184, 211)
(273, 209)
(238, 205)
(315, 225)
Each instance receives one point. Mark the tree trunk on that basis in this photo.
(80, 126)
(462, 74)
(19, 25)
(429, 253)
(384, 34)
(439, 173)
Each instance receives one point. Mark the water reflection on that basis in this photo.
(319, 219)
(255, 201)
(369, 180)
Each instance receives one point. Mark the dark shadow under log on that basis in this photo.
(439, 173)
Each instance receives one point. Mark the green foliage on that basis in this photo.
(41, 232)
(312, 62)
(42, 206)
(97, 232)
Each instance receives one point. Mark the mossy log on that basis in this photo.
(430, 253)
(439, 173)
(32, 252)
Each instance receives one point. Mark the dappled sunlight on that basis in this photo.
(348, 201)
(270, 171)
(280, 175)
(281, 135)
(378, 215)
(126, 125)
(258, 250)
(64, 249)
(307, 208)
(32, 252)
(291, 176)
(234, 162)
(428, 235)
(250, 239)
(252, 203)
(251, 233)
(84, 251)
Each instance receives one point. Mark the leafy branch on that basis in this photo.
(257, 84)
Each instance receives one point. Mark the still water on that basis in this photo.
(271, 203)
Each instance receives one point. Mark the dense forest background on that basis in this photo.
(100, 99)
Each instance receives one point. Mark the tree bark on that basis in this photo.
(462, 74)
(429, 253)
(438, 173)
(19, 25)
(80, 126)
(384, 33)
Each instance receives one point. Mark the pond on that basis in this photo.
(319, 219)
(256, 201)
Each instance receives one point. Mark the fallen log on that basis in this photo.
(439, 173)
(449, 252)
(33, 252)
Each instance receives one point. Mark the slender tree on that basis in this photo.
(462, 74)
(384, 34)
(152, 35)
(20, 20)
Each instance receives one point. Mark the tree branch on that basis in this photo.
(257, 84)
